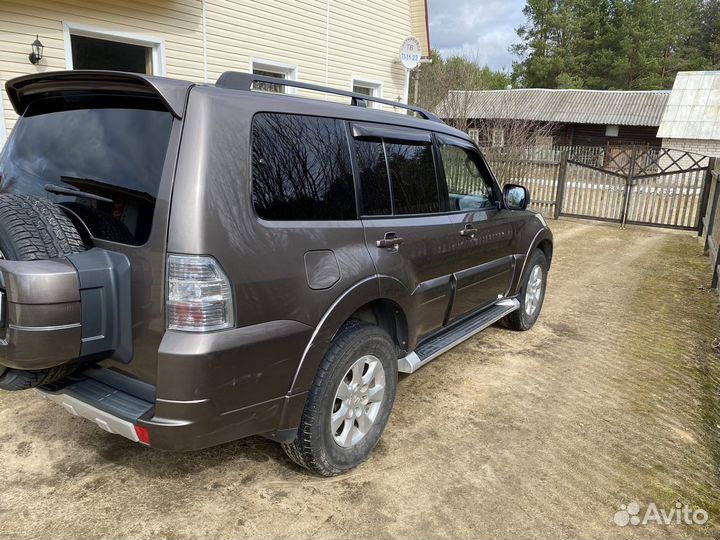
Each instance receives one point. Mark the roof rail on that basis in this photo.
(244, 81)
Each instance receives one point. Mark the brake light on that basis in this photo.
(199, 297)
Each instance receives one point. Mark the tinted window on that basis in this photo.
(373, 178)
(301, 168)
(468, 188)
(412, 178)
(413, 187)
(112, 148)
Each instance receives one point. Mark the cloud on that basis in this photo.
(479, 29)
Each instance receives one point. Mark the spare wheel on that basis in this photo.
(33, 229)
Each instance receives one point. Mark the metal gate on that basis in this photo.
(637, 185)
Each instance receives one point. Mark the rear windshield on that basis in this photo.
(110, 148)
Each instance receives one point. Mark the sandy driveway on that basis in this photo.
(612, 398)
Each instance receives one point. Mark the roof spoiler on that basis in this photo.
(22, 91)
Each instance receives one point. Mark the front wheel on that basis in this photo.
(349, 403)
(532, 293)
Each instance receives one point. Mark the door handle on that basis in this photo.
(390, 241)
(469, 232)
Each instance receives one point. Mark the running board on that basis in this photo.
(447, 340)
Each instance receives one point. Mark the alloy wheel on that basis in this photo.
(358, 401)
(533, 291)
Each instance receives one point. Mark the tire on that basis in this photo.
(100, 224)
(33, 229)
(317, 446)
(524, 318)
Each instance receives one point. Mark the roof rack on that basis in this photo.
(244, 81)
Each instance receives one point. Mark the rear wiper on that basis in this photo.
(74, 192)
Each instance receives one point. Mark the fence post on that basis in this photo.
(716, 262)
(628, 191)
(707, 183)
(713, 207)
(560, 191)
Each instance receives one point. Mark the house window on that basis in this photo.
(93, 53)
(474, 135)
(96, 48)
(612, 131)
(498, 137)
(544, 140)
(273, 69)
(368, 88)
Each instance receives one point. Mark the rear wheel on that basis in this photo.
(34, 229)
(349, 403)
(532, 293)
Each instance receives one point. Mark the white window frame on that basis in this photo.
(290, 71)
(157, 45)
(612, 131)
(498, 137)
(474, 134)
(376, 86)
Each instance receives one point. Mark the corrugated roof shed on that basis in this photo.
(693, 111)
(608, 107)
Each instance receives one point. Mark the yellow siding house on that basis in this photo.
(342, 43)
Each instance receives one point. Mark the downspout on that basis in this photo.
(204, 42)
(327, 44)
(427, 28)
(407, 87)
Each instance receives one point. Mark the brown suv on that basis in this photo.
(188, 264)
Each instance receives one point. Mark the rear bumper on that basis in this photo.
(105, 420)
(211, 388)
(92, 395)
(113, 401)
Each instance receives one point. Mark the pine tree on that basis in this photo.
(623, 44)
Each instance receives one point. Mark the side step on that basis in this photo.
(454, 336)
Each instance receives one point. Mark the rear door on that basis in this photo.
(485, 253)
(405, 232)
(109, 161)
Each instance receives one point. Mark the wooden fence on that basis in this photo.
(636, 185)
(537, 168)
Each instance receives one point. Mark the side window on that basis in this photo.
(412, 178)
(373, 178)
(301, 168)
(412, 186)
(467, 187)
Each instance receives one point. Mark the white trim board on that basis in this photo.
(291, 71)
(377, 86)
(156, 44)
(3, 125)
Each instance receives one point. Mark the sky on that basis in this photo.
(478, 29)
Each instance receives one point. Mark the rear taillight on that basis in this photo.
(199, 297)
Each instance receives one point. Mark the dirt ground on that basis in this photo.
(612, 398)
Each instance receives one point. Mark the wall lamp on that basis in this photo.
(37, 50)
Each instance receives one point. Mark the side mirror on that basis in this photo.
(516, 197)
